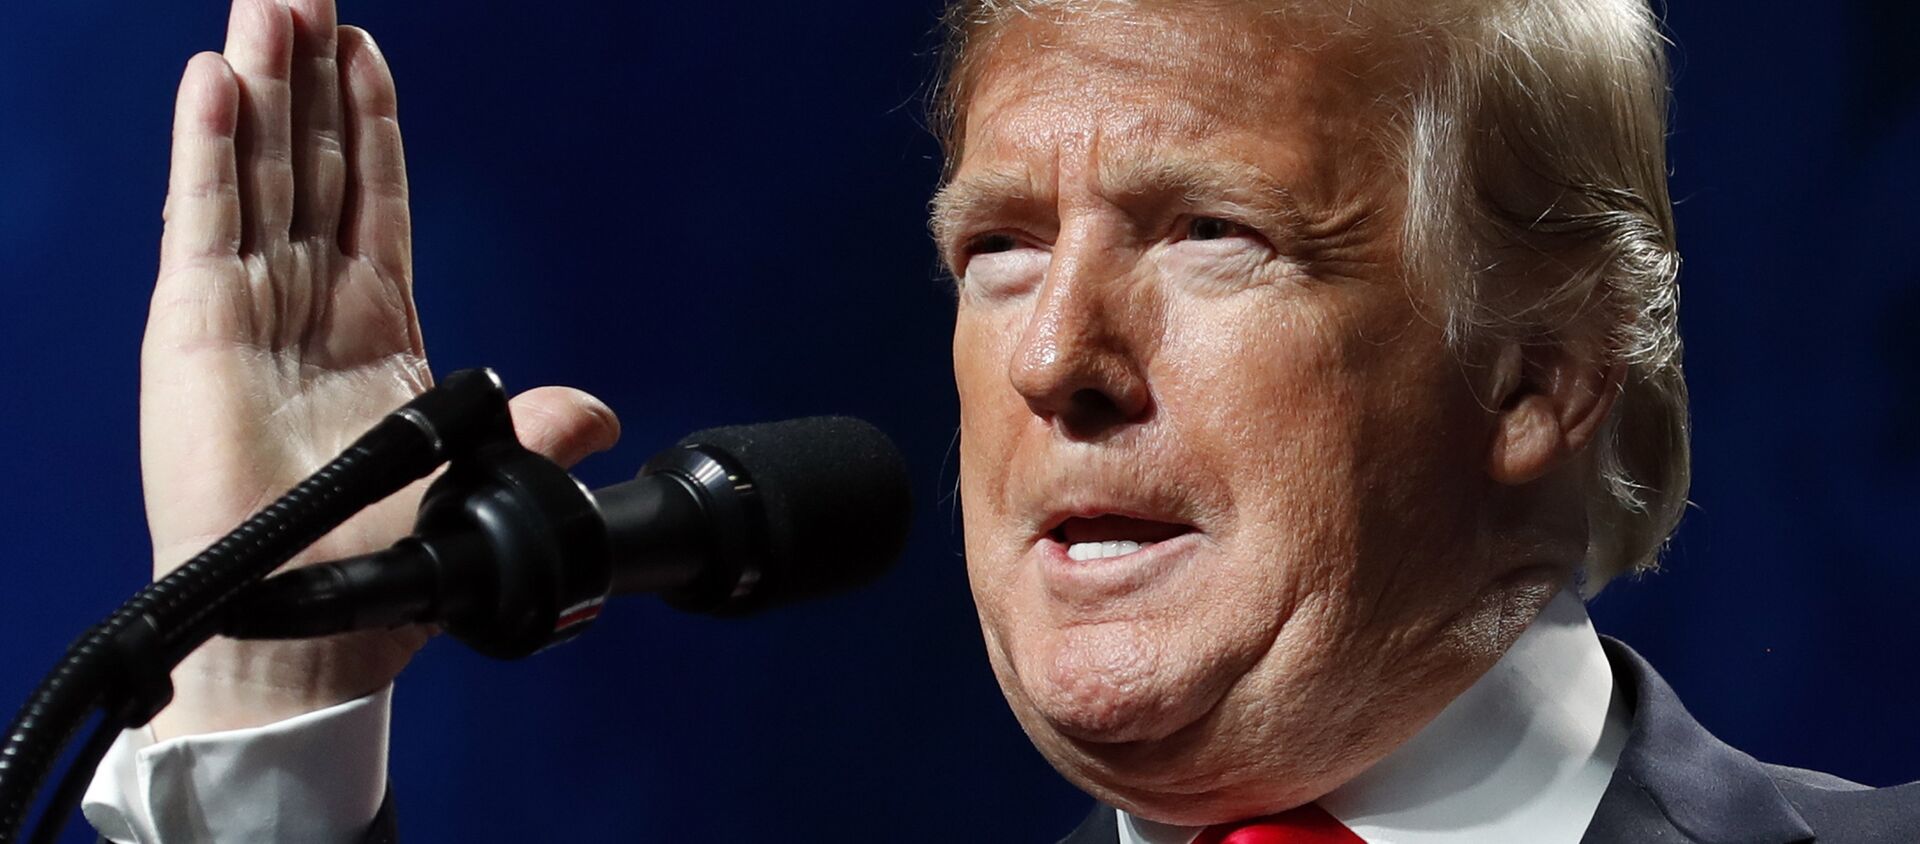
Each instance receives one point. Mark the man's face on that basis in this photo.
(1223, 481)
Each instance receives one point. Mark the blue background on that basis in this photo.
(596, 185)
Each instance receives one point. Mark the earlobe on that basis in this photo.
(1549, 402)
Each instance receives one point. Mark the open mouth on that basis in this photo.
(1104, 536)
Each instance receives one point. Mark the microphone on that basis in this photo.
(511, 555)
(793, 510)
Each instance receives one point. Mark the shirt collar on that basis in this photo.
(1523, 755)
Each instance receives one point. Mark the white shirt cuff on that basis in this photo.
(318, 777)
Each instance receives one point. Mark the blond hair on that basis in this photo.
(1533, 136)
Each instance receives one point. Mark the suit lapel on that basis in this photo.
(1675, 780)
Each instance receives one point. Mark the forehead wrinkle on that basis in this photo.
(1062, 54)
(1178, 131)
(1022, 176)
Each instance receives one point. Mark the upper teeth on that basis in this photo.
(1103, 550)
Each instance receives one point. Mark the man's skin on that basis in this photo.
(282, 326)
(1181, 317)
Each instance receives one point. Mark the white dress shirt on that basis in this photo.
(317, 778)
(1521, 757)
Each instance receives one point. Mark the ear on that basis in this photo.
(1549, 401)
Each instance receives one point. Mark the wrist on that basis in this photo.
(230, 684)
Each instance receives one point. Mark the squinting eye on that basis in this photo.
(1213, 228)
(1001, 265)
(987, 244)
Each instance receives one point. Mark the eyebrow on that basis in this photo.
(1203, 181)
(1194, 181)
(962, 199)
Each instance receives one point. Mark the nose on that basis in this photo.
(1079, 363)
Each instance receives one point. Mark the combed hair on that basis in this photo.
(1533, 139)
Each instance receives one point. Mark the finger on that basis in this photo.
(563, 424)
(319, 164)
(260, 49)
(374, 223)
(203, 190)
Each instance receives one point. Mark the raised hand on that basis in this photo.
(282, 326)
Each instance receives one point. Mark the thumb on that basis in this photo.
(563, 424)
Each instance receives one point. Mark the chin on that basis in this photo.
(1191, 763)
(1152, 721)
(1180, 770)
(1109, 684)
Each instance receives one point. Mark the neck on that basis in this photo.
(1522, 755)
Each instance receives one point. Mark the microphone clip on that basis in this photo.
(509, 554)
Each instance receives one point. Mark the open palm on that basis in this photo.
(283, 326)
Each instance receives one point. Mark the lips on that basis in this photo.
(1110, 527)
(1097, 523)
(1090, 558)
(1108, 535)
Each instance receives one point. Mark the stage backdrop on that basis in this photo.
(712, 213)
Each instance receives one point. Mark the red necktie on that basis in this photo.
(1308, 824)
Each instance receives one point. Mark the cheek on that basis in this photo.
(989, 416)
(1254, 379)
(979, 362)
(1275, 393)
(1345, 430)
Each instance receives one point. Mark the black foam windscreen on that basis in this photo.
(836, 496)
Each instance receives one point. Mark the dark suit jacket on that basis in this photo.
(1675, 782)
